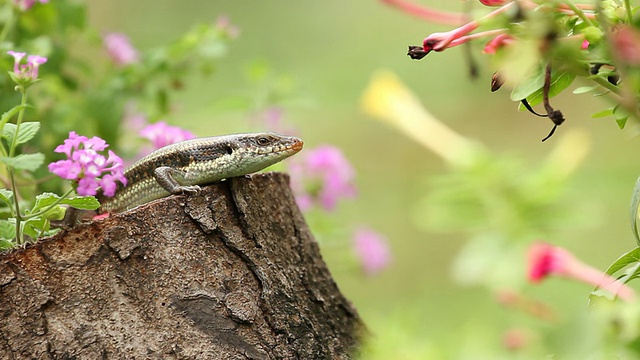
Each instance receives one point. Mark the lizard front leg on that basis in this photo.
(172, 179)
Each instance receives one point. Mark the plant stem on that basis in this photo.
(55, 203)
(579, 12)
(12, 175)
(627, 5)
(607, 85)
(426, 13)
(23, 102)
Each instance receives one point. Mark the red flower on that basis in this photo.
(546, 259)
(493, 2)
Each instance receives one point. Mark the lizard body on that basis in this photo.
(182, 167)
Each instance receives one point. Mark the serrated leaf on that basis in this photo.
(6, 196)
(27, 131)
(29, 162)
(7, 230)
(35, 226)
(43, 200)
(6, 244)
(83, 202)
(9, 114)
(78, 202)
(603, 113)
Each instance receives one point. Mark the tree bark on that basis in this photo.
(230, 273)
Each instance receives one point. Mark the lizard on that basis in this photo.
(184, 166)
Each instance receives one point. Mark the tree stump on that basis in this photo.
(230, 273)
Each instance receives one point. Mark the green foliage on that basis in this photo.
(89, 90)
(82, 91)
(633, 210)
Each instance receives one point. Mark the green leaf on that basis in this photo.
(603, 113)
(83, 202)
(55, 213)
(29, 162)
(7, 230)
(6, 196)
(621, 115)
(35, 226)
(6, 244)
(78, 202)
(629, 258)
(27, 131)
(559, 82)
(623, 261)
(523, 89)
(9, 114)
(585, 89)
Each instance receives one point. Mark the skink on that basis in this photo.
(182, 167)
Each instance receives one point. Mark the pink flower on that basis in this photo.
(27, 4)
(86, 166)
(546, 259)
(26, 73)
(585, 45)
(120, 49)
(496, 43)
(626, 44)
(516, 339)
(372, 250)
(493, 2)
(323, 176)
(161, 134)
(225, 26)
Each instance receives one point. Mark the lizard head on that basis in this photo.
(256, 151)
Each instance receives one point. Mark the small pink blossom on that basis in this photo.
(585, 45)
(120, 49)
(27, 4)
(322, 176)
(546, 259)
(87, 167)
(161, 134)
(372, 250)
(26, 72)
(516, 339)
(224, 25)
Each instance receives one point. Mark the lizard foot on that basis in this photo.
(192, 189)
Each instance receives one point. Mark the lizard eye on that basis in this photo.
(263, 141)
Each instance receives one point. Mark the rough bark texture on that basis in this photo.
(231, 273)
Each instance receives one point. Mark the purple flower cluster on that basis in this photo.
(161, 134)
(85, 165)
(323, 176)
(372, 250)
(29, 71)
(120, 49)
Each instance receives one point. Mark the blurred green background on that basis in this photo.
(329, 50)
